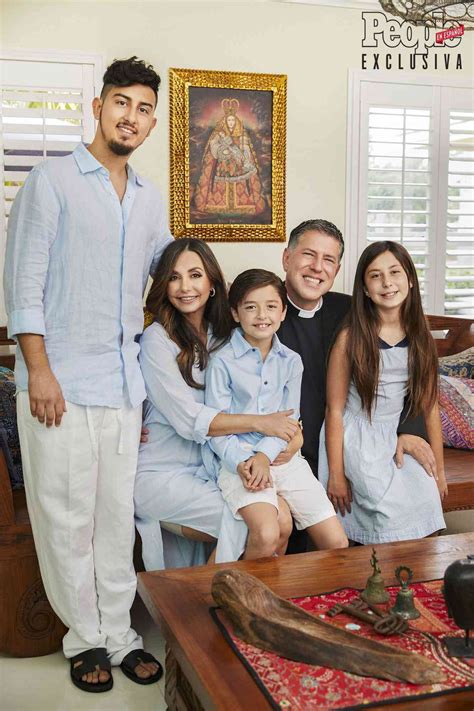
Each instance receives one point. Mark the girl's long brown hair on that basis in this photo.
(363, 345)
(217, 313)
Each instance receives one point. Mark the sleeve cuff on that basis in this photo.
(202, 424)
(26, 321)
(240, 455)
(271, 447)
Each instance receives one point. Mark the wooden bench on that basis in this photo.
(29, 627)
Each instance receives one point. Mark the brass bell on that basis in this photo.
(375, 592)
(404, 604)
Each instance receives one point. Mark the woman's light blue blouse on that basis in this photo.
(174, 412)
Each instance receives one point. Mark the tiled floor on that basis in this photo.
(43, 684)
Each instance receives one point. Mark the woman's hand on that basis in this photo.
(340, 493)
(278, 424)
(294, 445)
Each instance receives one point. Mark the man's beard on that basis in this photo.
(120, 149)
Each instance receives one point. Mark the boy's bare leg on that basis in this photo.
(285, 522)
(264, 531)
(328, 534)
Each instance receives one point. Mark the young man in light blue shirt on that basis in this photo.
(84, 234)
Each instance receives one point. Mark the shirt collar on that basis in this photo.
(306, 313)
(88, 164)
(241, 346)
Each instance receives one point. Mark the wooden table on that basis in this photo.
(201, 669)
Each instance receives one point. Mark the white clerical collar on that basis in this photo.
(305, 313)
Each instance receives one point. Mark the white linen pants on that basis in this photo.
(79, 480)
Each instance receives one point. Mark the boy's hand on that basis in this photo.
(339, 493)
(243, 470)
(260, 477)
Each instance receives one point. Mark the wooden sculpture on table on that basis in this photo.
(262, 618)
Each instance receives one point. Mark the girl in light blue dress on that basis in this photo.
(385, 354)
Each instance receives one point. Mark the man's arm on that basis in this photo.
(46, 398)
(413, 440)
(163, 235)
(32, 229)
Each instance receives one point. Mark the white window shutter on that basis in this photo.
(45, 111)
(414, 183)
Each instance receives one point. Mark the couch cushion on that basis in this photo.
(456, 400)
(9, 440)
(459, 365)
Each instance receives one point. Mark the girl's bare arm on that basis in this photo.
(433, 427)
(338, 377)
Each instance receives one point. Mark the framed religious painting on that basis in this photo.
(227, 155)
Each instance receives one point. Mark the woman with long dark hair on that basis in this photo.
(175, 482)
(385, 353)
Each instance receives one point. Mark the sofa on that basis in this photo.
(28, 625)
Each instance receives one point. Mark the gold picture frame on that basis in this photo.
(227, 155)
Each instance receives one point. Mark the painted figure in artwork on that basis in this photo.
(229, 181)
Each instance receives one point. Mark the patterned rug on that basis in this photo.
(304, 687)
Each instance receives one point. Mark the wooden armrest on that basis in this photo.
(459, 334)
(7, 512)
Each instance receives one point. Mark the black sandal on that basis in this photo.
(133, 659)
(91, 659)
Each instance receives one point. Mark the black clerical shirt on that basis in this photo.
(312, 339)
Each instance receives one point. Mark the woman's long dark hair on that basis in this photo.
(363, 345)
(217, 313)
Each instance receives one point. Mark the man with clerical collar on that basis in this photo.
(311, 261)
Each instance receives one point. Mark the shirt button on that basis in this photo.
(265, 382)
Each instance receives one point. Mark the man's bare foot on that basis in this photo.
(141, 667)
(146, 669)
(96, 677)
(91, 670)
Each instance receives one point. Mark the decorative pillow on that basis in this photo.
(9, 440)
(459, 365)
(456, 404)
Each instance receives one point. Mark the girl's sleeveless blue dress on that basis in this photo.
(389, 504)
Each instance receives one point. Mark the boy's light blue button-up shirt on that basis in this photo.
(77, 263)
(238, 381)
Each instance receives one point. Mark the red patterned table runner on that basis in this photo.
(304, 687)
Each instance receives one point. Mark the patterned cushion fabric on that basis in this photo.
(9, 440)
(456, 404)
(459, 365)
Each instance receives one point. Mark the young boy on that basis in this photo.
(255, 374)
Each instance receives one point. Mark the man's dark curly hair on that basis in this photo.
(125, 72)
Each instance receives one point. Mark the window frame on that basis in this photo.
(356, 80)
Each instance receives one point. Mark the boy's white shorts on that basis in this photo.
(294, 482)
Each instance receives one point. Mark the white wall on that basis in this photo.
(314, 45)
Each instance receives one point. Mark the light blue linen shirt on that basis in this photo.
(77, 263)
(238, 381)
